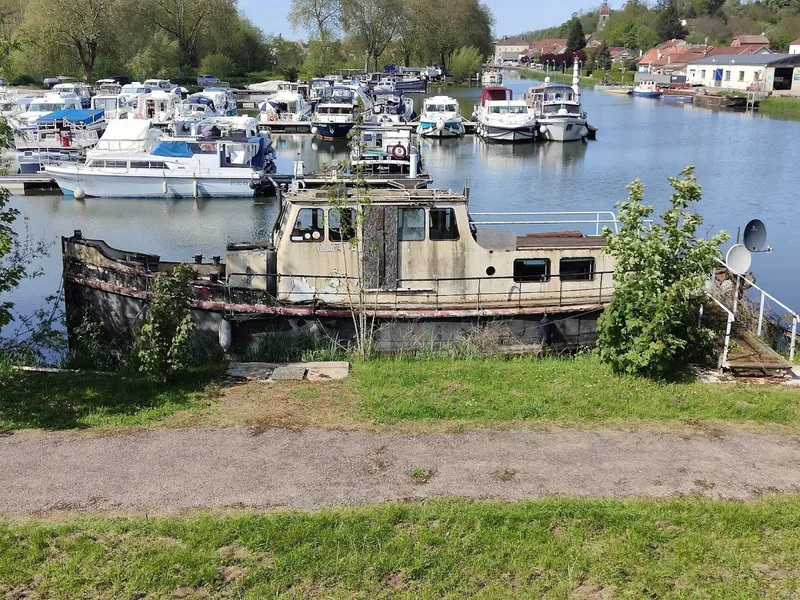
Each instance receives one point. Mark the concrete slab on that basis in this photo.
(289, 373)
(326, 371)
(251, 371)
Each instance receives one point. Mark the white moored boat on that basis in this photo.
(501, 118)
(285, 105)
(441, 117)
(199, 166)
(492, 77)
(558, 111)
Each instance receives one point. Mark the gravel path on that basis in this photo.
(169, 470)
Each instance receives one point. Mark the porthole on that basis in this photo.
(490, 271)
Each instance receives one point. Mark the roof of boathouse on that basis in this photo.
(753, 60)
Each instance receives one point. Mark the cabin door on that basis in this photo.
(380, 249)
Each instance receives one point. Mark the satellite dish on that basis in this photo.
(738, 259)
(755, 235)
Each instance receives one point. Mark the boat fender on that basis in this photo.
(378, 109)
(272, 117)
(225, 334)
(399, 151)
(440, 125)
(79, 193)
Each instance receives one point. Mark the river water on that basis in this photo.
(747, 164)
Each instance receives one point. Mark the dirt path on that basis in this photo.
(169, 470)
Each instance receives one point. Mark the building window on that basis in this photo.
(702, 74)
(443, 224)
(341, 224)
(576, 269)
(309, 226)
(727, 75)
(692, 73)
(411, 225)
(741, 75)
(532, 270)
(756, 75)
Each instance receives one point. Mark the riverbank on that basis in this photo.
(781, 106)
(585, 81)
(562, 548)
(436, 394)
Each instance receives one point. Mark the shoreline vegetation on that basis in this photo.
(554, 548)
(418, 394)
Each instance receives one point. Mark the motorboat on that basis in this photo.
(285, 105)
(12, 105)
(82, 91)
(44, 105)
(191, 111)
(557, 109)
(411, 80)
(335, 112)
(501, 118)
(384, 84)
(492, 77)
(209, 165)
(391, 106)
(160, 84)
(388, 153)
(133, 90)
(159, 106)
(125, 137)
(317, 88)
(62, 136)
(114, 106)
(266, 87)
(223, 99)
(441, 117)
(648, 89)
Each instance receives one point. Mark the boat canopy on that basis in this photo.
(495, 94)
(172, 148)
(73, 115)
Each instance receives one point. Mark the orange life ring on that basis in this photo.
(399, 151)
(272, 117)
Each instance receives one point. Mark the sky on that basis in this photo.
(511, 16)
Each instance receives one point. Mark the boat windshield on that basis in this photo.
(335, 110)
(442, 107)
(508, 110)
(104, 103)
(46, 106)
(135, 90)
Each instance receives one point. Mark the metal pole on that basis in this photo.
(793, 345)
(736, 294)
(727, 341)
(761, 313)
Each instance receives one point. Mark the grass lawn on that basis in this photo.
(681, 548)
(573, 391)
(780, 106)
(69, 400)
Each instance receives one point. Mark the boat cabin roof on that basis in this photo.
(495, 94)
(404, 197)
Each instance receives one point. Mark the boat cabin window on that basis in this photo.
(576, 269)
(341, 224)
(144, 164)
(309, 225)
(508, 110)
(111, 164)
(443, 225)
(532, 270)
(411, 225)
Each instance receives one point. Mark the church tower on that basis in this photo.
(604, 14)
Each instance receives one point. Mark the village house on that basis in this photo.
(794, 47)
(509, 48)
(553, 46)
(749, 40)
(760, 72)
(670, 57)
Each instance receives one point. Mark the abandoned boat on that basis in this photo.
(432, 272)
(389, 153)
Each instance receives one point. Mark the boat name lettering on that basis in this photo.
(326, 248)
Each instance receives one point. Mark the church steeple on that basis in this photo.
(605, 13)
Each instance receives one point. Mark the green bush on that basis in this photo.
(217, 65)
(465, 63)
(651, 325)
(25, 79)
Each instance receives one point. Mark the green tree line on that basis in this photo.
(641, 25)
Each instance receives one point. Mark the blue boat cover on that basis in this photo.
(73, 115)
(173, 148)
(259, 159)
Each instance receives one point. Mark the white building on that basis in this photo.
(509, 48)
(762, 72)
(794, 47)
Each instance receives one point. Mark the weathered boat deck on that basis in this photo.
(748, 354)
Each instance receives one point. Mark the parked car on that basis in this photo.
(120, 79)
(208, 81)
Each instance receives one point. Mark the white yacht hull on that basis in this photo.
(432, 129)
(563, 130)
(497, 133)
(156, 185)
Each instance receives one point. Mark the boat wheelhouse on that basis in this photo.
(441, 117)
(501, 118)
(285, 105)
(132, 91)
(431, 273)
(557, 109)
(158, 106)
(391, 106)
(390, 154)
(190, 112)
(47, 104)
(648, 89)
(82, 91)
(59, 137)
(335, 112)
(223, 99)
(114, 106)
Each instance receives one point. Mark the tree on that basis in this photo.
(318, 16)
(668, 25)
(184, 20)
(651, 325)
(246, 48)
(372, 23)
(576, 40)
(217, 64)
(407, 34)
(465, 63)
(79, 26)
(160, 58)
(602, 59)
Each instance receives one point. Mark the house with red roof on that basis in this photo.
(671, 57)
(750, 40)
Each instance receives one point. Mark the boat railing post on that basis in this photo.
(793, 344)
(597, 226)
(736, 294)
(761, 313)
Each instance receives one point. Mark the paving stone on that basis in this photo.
(251, 371)
(326, 371)
(289, 373)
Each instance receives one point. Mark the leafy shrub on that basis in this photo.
(465, 63)
(25, 79)
(651, 325)
(164, 343)
(218, 65)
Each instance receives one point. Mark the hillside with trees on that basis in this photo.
(178, 39)
(641, 25)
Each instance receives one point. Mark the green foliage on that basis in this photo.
(668, 25)
(602, 59)
(651, 325)
(158, 59)
(162, 347)
(218, 65)
(12, 270)
(465, 63)
(576, 39)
